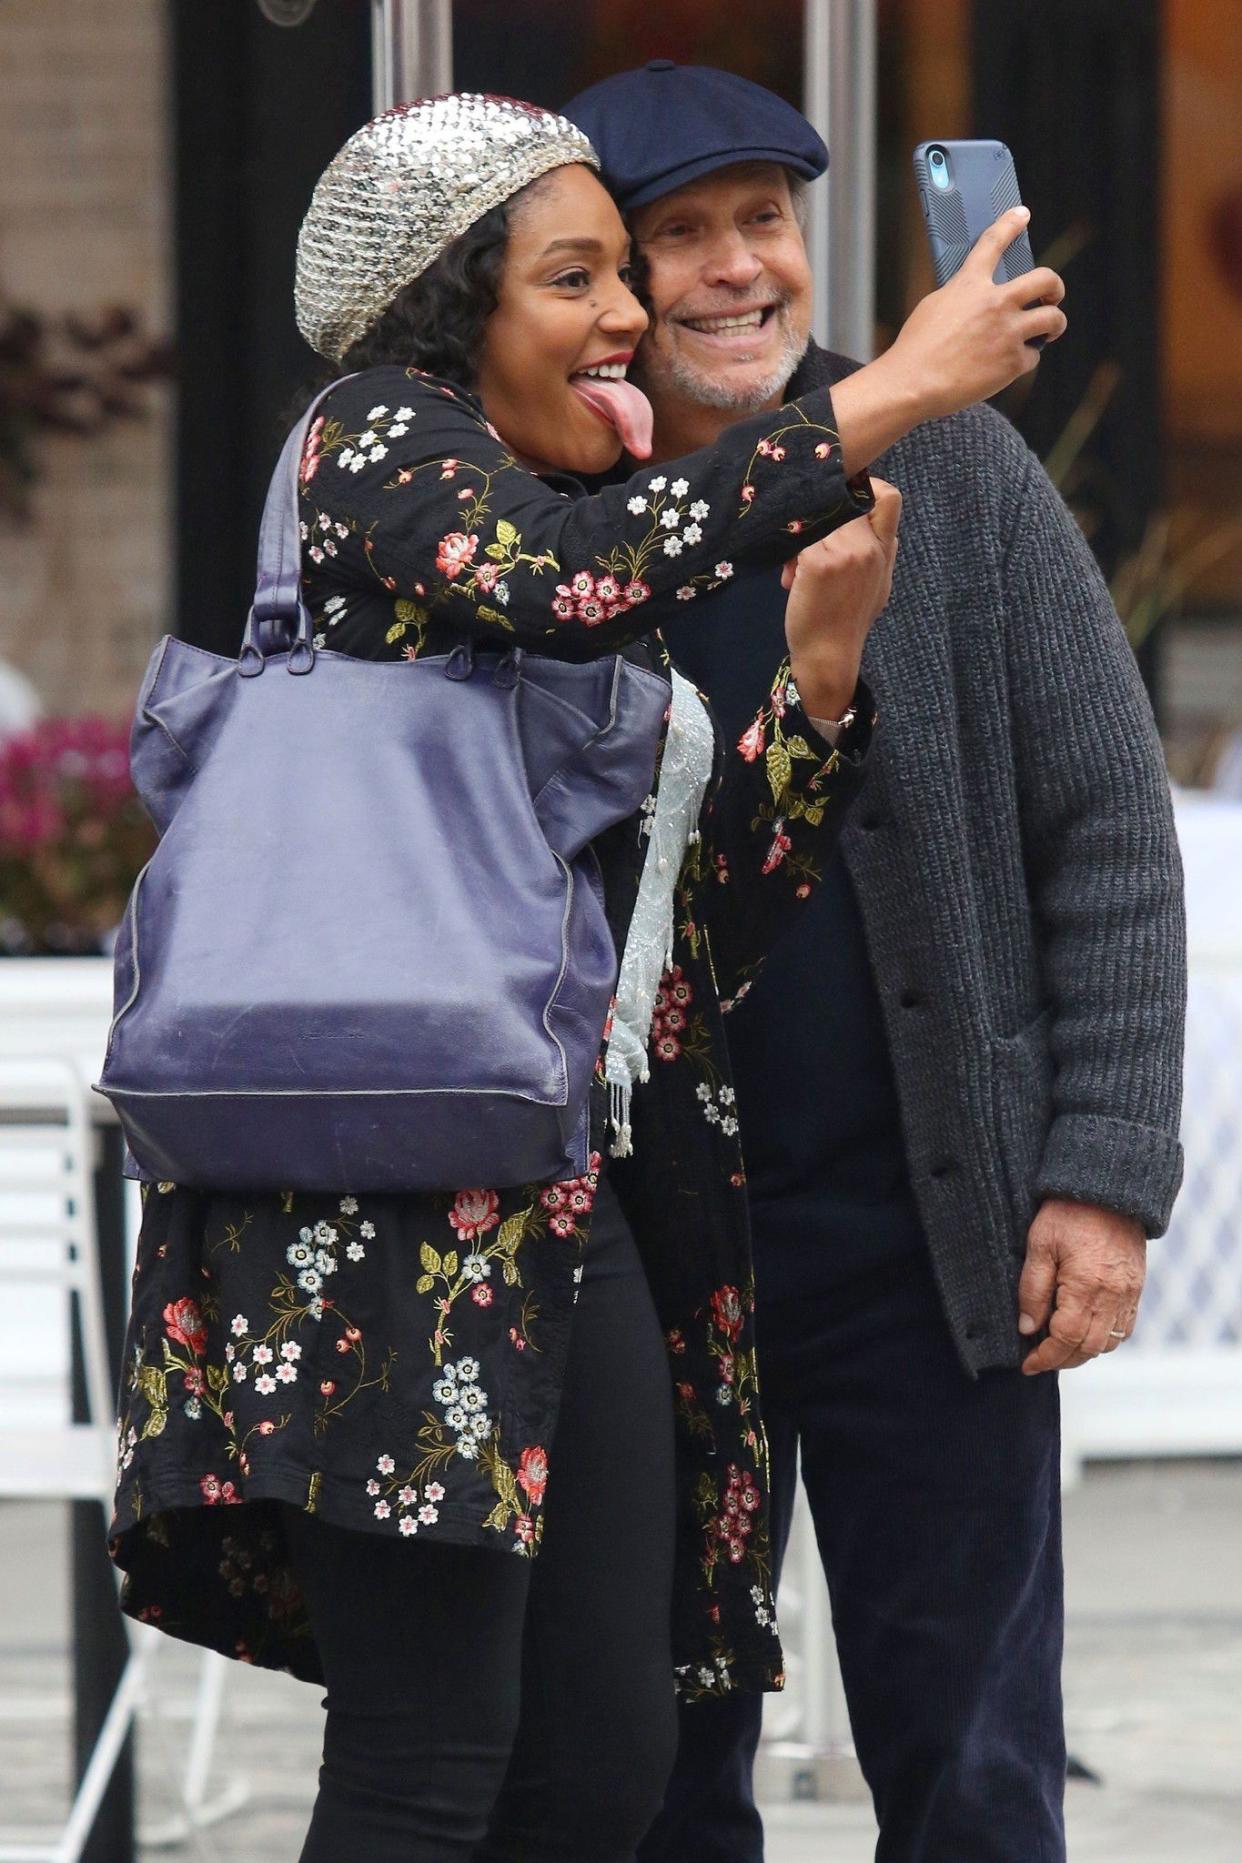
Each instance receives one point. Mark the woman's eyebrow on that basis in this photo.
(575, 245)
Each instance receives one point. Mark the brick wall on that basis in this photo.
(84, 221)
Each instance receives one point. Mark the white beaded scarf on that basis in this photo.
(684, 775)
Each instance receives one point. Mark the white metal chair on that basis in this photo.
(48, 1239)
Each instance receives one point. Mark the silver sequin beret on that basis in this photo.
(402, 189)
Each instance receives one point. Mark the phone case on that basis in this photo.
(983, 183)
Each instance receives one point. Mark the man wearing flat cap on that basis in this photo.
(959, 1077)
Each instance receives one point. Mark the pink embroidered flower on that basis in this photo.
(448, 468)
(781, 845)
(751, 740)
(552, 1197)
(727, 1366)
(564, 607)
(822, 450)
(674, 1022)
(516, 1340)
(677, 988)
(195, 1383)
(748, 494)
(474, 1213)
(728, 1315)
(481, 1295)
(666, 1047)
(455, 551)
(636, 592)
(676, 1341)
(721, 864)
(764, 447)
(562, 1224)
(608, 589)
(488, 575)
(310, 457)
(582, 584)
(327, 1387)
(209, 1486)
(591, 611)
(532, 1473)
(794, 525)
(184, 1323)
(524, 1528)
(803, 891)
(778, 452)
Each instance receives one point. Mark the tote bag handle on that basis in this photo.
(279, 618)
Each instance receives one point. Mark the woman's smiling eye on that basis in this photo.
(574, 279)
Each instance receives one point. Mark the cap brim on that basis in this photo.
(706, 164)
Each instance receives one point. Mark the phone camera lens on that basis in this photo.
(937, 159)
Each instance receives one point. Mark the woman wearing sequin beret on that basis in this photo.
(348, 1420)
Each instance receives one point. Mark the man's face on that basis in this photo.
(730, 289)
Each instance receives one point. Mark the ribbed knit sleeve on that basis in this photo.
(1104, 871)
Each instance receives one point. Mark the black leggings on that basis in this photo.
(502, 1709)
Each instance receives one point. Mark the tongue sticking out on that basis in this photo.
(624, 406)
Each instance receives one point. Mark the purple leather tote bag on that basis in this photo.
(370, 950)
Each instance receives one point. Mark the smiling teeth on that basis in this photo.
(607, 371)
(751, 321)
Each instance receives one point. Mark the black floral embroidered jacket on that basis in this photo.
(394, 1362)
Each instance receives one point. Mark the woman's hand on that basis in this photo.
(836, 588)
(959, 345)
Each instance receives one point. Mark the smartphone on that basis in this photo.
(963, 187)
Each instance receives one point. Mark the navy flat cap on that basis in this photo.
(663, 125)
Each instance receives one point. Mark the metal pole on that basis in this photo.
(839, 57)
(411, 50)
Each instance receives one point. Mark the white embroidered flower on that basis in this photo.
(324, 1234)
(263, 1355)
(349, 1206)
(472, 1398)
(727, 1096)
(356, 1252)
(712, 1115)
(404, 414)
(377, 453)
(699, 509)
(373, 1486)
(290, 1349)
(702, 1091)
(377, 413)
(346, 456)
(366, 1230)
(672, 546)
(397, 429)
(193, 1409)
(636, 505)
(693, 533)
(329, 546)
(685, 593)
(482, 1426)
(724, 571)
(466, 1449)
(318, 641)
(230, 1352)
(728, 1126)
(265, 1384)
(408, 1496)
(342, 530)
(385, 1464)
(325, 1262)
(756, 1594)
(444, 1391)
(324, 519)
(304, 528)
(724, 1395)
(287, 1373)
(240, 1373)
(467, 1370)
(368, 438)
(657, 485)
(670, 517)
(476, 1267)
(239, 1324)
(407, 1526)
(455, 1417)
(679, 487)
(315, 1307)
(382, 1510)
(357, 462)
(429, 1515)
(315, 553)
(434, 1491)
(334, 602)
(310, 1280)
(501, 592)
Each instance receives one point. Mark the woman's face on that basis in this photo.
(565, 312)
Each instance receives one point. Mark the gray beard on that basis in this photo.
(673, 372)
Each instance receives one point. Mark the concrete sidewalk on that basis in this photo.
(1153, 1689)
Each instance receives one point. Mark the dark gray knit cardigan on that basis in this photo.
(1015, 862)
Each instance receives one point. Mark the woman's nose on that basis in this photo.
(624, 315)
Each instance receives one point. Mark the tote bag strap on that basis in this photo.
(279, 618)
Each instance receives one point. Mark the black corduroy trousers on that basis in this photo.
(501, 1709)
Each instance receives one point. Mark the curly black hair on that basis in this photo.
(437, 322)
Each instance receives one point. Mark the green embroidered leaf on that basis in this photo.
(510, 1233)
(798, 747)
(450, 1264)
(424, 1284)
(509, 1271)
(498, 1519)
(409, 612)
(153, 1383)
(496, 550)
(154, 1425)
(217, 1378)
(429, 1258)
(815, 815)
(395, 632)
(494, 615)
(506, 532)
(504, 1484)
(780, 769)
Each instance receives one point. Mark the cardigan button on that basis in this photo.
(910, 999)
(943, 1167)
(871, 822)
